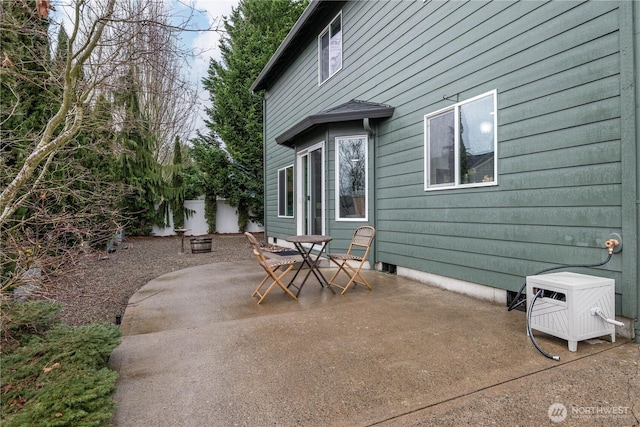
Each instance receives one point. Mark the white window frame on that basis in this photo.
(491, 181)
(333, 52)
(286, 201)
(365, 161)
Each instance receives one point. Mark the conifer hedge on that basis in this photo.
(54, 374)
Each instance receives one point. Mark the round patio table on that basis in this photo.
(305, 244)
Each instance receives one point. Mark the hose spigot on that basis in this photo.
(611, 244)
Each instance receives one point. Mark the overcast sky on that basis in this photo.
(206, 42)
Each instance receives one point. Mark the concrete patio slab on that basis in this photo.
(198, 351)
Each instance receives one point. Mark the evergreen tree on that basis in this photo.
(62, 48)
(98, 155)
(193, 181)
(177, 186)
(46, 202)
(94, 165)
(254, 31)
(214, 166)
(26, 97)
(139, 170)
(82, 172)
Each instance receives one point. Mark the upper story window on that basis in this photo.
(330, 49)
(461, 144)
(285, 192)
(351, 178)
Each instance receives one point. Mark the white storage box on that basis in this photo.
(566, 307)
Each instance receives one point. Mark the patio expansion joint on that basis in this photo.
(481, 389)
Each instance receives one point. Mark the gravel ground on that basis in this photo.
(99, 287)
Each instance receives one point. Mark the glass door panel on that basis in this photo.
(311, 191)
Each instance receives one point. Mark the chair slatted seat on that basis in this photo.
(271, 267)
(351, 262)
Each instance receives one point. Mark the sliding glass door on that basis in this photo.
(311, 190)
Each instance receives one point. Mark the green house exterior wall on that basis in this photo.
(566, 77)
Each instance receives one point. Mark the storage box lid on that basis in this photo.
(568, 278)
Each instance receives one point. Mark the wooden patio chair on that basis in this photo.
(271, 266)
(351, 263)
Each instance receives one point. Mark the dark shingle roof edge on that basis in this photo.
(262, 81)
(349, 111)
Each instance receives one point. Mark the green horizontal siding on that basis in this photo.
(556, 68)
(575, 136)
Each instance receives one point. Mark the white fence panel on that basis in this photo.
(166, 231)
(226, 221)
(196, 223)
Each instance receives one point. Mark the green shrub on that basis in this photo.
(20, 321)
(58, 377)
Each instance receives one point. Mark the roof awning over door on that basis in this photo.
(349, 111)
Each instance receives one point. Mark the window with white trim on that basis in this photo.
(351, 178)
(461, 144)
(330, 49)
(285, 192)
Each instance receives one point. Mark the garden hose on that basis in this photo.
(530, 332)
(515, 302)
